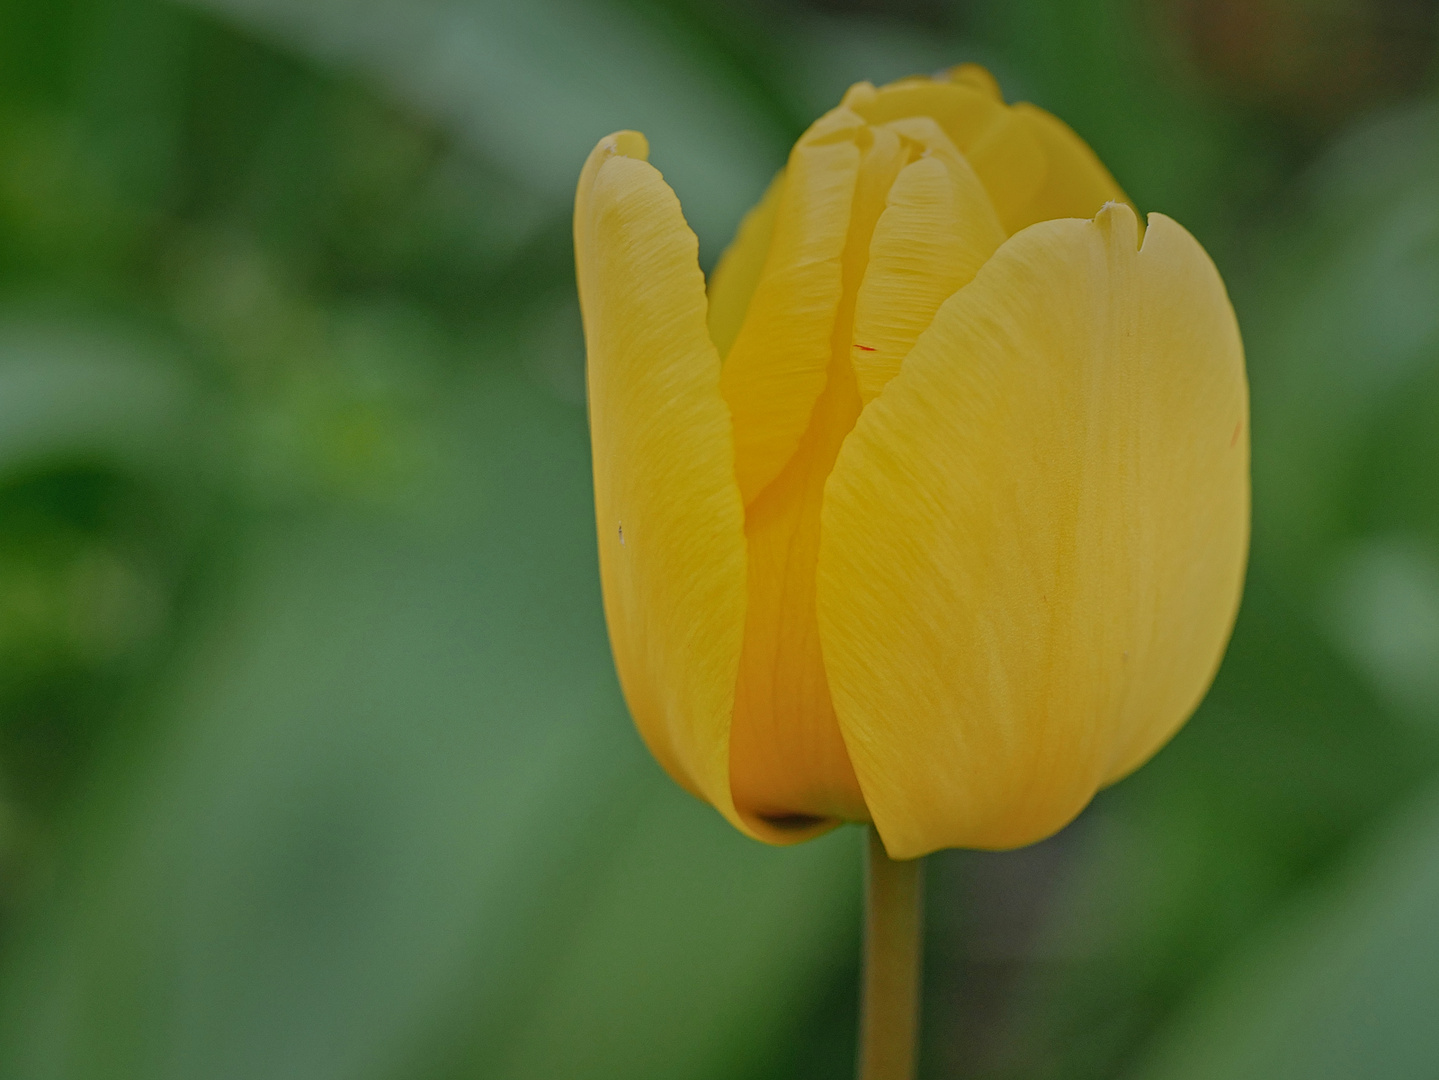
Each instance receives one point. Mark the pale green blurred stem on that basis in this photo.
(893, 934)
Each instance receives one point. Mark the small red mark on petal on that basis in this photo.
(1234, 439)
(866, 348)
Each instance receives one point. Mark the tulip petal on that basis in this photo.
(976, 77)
(789, 769)
(1076, 183)
(778, 365)
(937, 230)
(1033, 542)
(1000, 147)
(738, 272)
(670, 521)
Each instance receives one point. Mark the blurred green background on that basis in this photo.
(312, 760)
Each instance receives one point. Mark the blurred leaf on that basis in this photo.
(399, 807)
(1385, 612)
(1342, 332)
(70, 391)
(694, 956)
(108, 468)
(1343, 986)
(534, 86)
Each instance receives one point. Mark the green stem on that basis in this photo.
(893, 934)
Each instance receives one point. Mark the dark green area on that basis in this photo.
(312, 761)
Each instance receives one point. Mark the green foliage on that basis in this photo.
(1344, 985)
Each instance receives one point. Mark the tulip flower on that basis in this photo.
(932, 510)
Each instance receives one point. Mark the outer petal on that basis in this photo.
(1076, 183)
(671, 526)
(737, 275)
(1033, 542)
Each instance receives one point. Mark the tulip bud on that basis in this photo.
(934, 510)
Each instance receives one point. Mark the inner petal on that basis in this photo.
(1001, 147)
(787, 758)
(1076, 184)
(938, 229)
(737, 275)
(777, 367)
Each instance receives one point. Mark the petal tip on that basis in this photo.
(630, 144)
(858, 95)
(1119, 223)
(976, 77)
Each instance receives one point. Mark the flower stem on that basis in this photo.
(893, 933)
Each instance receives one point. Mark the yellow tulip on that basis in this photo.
(933, 511)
